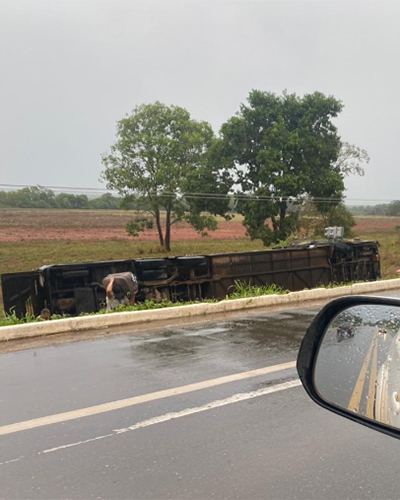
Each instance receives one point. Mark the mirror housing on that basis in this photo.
(310, 348)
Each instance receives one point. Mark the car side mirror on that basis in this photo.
(349, 361)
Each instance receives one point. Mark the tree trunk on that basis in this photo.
(159, 229)
(274, 224)
(282, 213)
(168, 231)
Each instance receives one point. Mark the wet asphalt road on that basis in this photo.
(204, 443)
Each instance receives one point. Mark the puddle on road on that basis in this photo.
(251, 338)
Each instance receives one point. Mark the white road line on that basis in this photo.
(12, 461)
(144, 398)
(236, 398)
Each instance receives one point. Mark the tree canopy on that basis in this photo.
(282, 148)
(160, 156)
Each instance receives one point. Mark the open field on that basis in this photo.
(383, 229)
(95, 225)
(27, 225)
(31, 238)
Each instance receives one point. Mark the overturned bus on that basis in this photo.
(74, 289)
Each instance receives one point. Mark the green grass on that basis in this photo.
(389, 250)
(11, 319)
(243, 291)
(24, 256)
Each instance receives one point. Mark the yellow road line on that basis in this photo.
(355, 399)
(372, 383)
(144, 398)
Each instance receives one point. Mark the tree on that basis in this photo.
(160, 158)
(3, 199)
(105, 202)
(351, 159)
(394, 208)
(31, 197)
(283, 148)
(66, 200)
(313, 222)
(338, 215)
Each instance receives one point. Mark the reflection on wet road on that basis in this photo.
(247, 340)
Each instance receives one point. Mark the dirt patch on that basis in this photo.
(376, 223)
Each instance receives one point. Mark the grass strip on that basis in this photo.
(240, 291)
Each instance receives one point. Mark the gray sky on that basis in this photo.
(71, 68)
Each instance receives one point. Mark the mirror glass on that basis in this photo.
(358, 362)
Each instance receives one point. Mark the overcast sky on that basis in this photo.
(71, 68)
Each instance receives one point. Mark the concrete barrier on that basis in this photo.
(101, 321)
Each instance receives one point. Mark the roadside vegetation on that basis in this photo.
(243, 291)
(240, 291)
(11, 319)
(389, 249)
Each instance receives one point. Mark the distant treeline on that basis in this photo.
(390, 209)
(39, 197)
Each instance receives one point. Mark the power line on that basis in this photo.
(209, 196)
(65, 188)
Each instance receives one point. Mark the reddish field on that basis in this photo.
(92, 225)
(376, 223)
